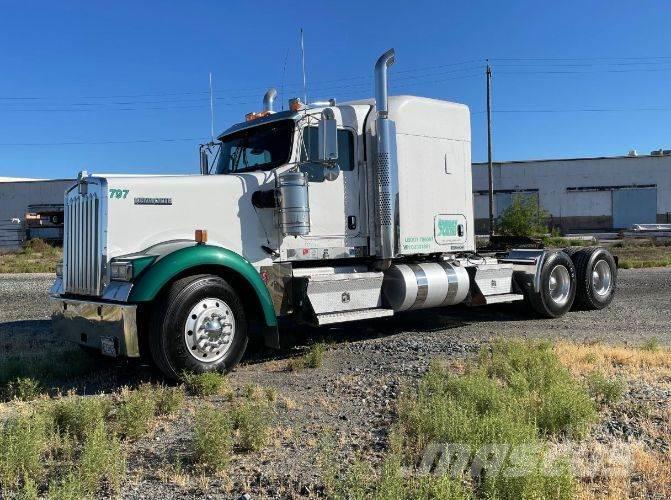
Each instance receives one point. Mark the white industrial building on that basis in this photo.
(582, 194)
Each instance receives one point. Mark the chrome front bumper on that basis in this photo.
(97, 325)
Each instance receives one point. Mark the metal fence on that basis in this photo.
(12, 234)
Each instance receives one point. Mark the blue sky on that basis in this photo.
(122, 86)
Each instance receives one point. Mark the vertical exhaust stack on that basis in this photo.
(386, 163)
(269, 99)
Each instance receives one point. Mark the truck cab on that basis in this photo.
(325, 213)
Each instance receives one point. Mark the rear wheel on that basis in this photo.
(597, 277)
(199, 326)
(557, 287)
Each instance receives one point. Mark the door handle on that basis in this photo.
(351, 222)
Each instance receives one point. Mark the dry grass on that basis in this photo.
(36, 257)
(648, 364)
(631, 469)
(637, 253)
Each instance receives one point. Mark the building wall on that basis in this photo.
(577, 193)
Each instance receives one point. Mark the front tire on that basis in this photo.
(557, 287)
(199, 326)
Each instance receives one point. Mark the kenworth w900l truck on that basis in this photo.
(324, 213)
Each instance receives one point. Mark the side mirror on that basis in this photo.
(328, 136)
(204, 162)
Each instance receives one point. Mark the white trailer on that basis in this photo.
(325, 213)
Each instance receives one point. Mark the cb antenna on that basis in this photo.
(211, 110)
(305, 85)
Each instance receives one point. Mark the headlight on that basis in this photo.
(121, 271)
(59, 269)
(129, 268)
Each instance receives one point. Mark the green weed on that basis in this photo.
(23, 389)
(213, 438)
(605, 392)
(205, 384)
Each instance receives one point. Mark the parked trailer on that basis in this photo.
(324, 213)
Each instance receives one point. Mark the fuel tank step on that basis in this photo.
(343, 316)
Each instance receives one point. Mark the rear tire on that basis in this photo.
(597, 277)
(198, 326)
(557, 287)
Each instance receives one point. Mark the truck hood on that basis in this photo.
(143, 211)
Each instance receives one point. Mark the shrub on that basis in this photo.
(68, 488)
(23, 389)
(651, 345)
(359, 481)
(213, 438)
(205, 384)
(76, 416)
(313, 358)
(524, 217)
(516, 393)
(251, 420)
(604, 391)
(23, 441)
(101, 460)
(169, 400)
(135, 413)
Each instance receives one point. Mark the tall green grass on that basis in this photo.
(515, 396)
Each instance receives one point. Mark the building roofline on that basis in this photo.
(545, 160)
(9, 180)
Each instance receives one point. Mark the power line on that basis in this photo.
(87, 143)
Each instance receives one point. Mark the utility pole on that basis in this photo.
(489, 149)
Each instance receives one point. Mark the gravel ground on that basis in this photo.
(353, 393)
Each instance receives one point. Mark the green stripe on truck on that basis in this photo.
(165, 269)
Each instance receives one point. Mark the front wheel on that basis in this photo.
(199, 326)
(557, 287)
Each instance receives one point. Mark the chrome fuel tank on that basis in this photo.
(424, 285)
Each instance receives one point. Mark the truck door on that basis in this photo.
(335, 205)
(336, 223)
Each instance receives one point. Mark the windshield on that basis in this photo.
(258, 148)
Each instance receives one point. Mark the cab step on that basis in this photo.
(343, 316)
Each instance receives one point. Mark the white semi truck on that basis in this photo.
(325, 213)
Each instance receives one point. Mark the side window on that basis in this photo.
(345, 147)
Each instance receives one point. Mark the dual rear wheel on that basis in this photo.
(583, 277)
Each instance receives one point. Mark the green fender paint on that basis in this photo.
(157, 275)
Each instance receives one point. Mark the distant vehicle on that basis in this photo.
(45, 221)
(325, 213)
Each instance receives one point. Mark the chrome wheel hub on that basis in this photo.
(559, 285)
(601, 278)
(209, 330)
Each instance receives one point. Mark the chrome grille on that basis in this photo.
(82, 248)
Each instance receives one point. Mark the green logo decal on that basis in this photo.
(118, 194)
(447, 227)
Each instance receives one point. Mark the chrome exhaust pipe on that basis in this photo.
(269, 99)
(386, 166)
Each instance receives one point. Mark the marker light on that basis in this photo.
(201, 236)
(253, 116)
(295, 104)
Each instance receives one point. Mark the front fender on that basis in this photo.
(154, 278)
